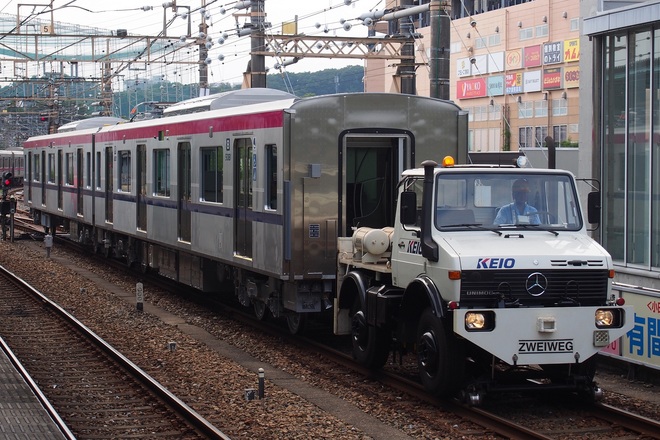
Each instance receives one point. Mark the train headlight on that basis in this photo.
(479, 321)
(609, 318)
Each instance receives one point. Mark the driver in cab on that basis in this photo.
(519, 211)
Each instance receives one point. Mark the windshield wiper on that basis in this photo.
(472, 225)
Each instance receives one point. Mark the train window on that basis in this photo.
(124, 170)
(37, 168)
(68, 168)
(98, 169)
(51, 168)
(88, 169)
(162, 172)
(271, 176)
(212, 167)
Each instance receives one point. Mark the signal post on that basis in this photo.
(7, 206)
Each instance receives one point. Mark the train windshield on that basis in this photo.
(506, 200)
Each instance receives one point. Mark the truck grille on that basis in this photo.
(530, 288)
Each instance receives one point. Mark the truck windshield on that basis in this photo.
(468, 200)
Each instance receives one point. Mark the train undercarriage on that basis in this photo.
(266, 295)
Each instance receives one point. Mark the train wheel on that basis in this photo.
(440, 358)
(260, 309)
(371, 345)
(296, 322)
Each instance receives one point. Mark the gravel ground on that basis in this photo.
(214, 386)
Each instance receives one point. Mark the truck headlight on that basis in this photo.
(479, 321)
(609, 318)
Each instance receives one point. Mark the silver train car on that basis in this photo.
(12, 161)
(251, 187)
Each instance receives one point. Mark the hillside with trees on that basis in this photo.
(323, 82)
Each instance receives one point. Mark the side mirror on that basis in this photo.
(593, 207)
(408, 208)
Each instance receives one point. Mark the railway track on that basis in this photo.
(524, 424)
(595, 418)
(95, 390)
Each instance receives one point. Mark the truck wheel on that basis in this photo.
(371, 345)
(440, 357)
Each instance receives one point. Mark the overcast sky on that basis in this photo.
(314, 17)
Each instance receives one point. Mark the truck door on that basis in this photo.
(243, 180)
(407, 260)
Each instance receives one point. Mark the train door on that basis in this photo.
(108, 184)
(243, 179)
(184, 181)
(79, 179)
(373, 167)
(141, 211)
(60, 178)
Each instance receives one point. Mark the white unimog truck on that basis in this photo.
(487, 300)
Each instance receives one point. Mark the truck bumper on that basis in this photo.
(557, 335)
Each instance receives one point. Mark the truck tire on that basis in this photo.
(371, 345)
(440, 356)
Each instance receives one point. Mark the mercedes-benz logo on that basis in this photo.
(536, 284)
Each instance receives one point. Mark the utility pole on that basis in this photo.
(203, 55)
(258, 43)
(440, 48)
(106, 85)
(406, 69)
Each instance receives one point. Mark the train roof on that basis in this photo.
(230, 99)
(82, 124)
(11, 151)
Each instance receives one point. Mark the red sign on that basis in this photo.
(471, 88)
(552, 78)
(532, 56)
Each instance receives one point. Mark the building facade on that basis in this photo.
(514, 65)
(622, 104)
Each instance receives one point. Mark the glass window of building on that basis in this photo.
(630, 132)
(541, 108)
(525, 110)
(560, 107)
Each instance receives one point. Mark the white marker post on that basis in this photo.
(48, 243)
(139, 297)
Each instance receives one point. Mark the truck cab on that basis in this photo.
(486, 266)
